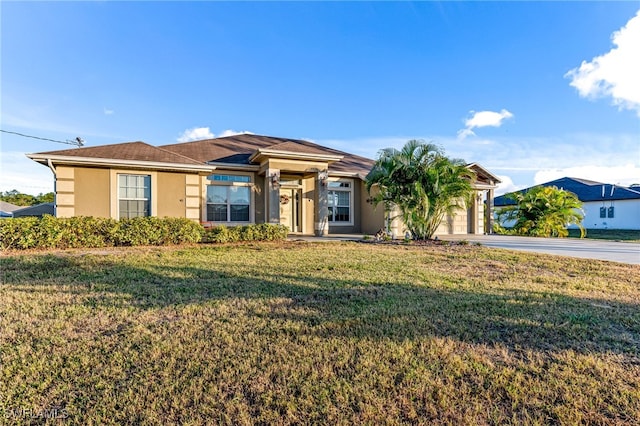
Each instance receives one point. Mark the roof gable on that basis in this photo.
(483, 175)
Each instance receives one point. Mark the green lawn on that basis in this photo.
(296, 332)
(608, 234)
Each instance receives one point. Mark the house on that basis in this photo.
(236, 180)
(7, 209)
(605, 206)
(38, 210)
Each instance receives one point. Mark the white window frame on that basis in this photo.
(227, 184)
(350, 190)
(148, 200)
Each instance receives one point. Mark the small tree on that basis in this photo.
(422, 182)
(543, 211)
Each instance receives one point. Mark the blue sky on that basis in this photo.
(490, 82)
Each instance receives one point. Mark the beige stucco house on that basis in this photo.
(236, 180)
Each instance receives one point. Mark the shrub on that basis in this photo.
(140, 231)
(74, 232)
(258, 232)
(180, 231)
(19, 233)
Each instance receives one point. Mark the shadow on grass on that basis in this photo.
(518, 319)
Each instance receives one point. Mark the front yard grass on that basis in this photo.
(297, 332)
(608, 234)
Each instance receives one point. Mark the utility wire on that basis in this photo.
(77, 141)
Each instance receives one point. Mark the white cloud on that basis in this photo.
(196, 133)
(230, 132)
(483, 119)
(507, 185)
(623, 175)
(463, 133)
(108, 111)
(199, 133)
(615, 73)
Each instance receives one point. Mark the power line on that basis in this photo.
(77, 141)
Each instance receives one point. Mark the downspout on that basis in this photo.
(55, 192)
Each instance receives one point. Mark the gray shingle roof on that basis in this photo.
(586, 190)
(8, 207)
(37, 210)
(238, 148)
(133, 151)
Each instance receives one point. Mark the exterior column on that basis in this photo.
(488, 213)
(322, 204)
(473, 212)
(272, 194)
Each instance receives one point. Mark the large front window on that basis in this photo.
(339, 204)
(134, 195)
(228, 203)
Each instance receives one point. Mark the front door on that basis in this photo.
(290, 214)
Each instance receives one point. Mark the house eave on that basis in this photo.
(262, 154)
(103, 162)
(230, 166)
(483, 186)
(347, 174)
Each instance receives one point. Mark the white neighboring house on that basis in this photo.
(605, 206)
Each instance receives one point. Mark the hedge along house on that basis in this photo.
(236, 180)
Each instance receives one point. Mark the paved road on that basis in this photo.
(589, 249)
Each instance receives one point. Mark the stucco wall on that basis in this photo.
(308, 204)
(371, 218)
(65, 192)
(171, 194)
(626, 215)
(91, 190)
(87, 191)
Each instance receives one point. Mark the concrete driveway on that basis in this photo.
(589, 249)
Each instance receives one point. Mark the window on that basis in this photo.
(610, 212)
(229, 178)
(134, 195)
(603, 212)
(228, 203)
(339, 202)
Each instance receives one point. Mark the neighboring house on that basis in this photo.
(235, 180)
(38, 210)
(7, 209)
(605, 206)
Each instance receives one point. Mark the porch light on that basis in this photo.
(323, 177)
(275, 180)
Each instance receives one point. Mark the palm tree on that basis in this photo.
(422, 183)
(543, 212)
